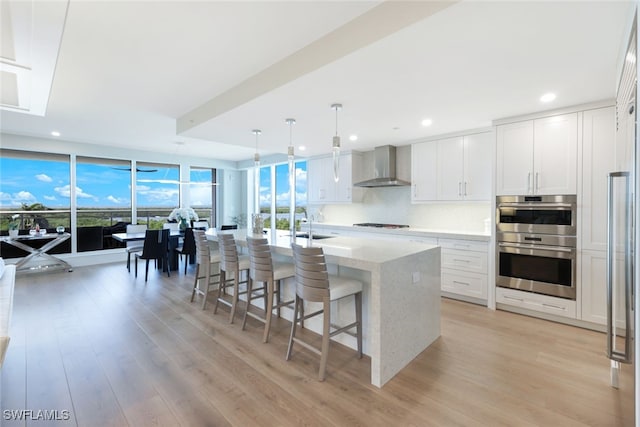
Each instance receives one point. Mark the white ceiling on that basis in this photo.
(128, 72)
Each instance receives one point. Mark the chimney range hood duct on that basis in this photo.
(384, 169)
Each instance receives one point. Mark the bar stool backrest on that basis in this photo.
(312, 278)
(203, 253)
(228, 252)
(260, 262)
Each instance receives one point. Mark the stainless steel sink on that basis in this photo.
(314, 237)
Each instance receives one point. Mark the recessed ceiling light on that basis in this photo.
(427, 122)
(302, 148)
(353, 138)
(548, 97)
(55, 133)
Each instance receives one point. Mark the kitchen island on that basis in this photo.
(401, 297)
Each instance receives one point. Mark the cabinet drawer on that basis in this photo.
(543, 303)
(463, 245)
(463, 283)
(475, 262)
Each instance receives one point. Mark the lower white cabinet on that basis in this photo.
(536, 302)
(464, 267)
(594, 289)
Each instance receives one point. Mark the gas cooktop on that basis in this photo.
(378, 225)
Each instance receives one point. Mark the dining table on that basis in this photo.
(174, 241)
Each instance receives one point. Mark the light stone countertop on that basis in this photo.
(411, 231)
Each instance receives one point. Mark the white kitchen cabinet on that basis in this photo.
(538, 156)
(452, 169)
(598, 159)
(594, 288)
(464, 167)
(424, 171)
(464, 268)
(536, 302)
(321, 185)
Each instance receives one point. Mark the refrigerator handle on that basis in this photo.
(612, 352)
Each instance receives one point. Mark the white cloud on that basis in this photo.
(24, 197)
(65, 191)
(50, 198)
(116, 200)
(163, 195)
(44, 178)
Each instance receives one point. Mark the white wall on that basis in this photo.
(392, 205)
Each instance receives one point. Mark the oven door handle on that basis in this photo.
(541, 247)
(534, 205)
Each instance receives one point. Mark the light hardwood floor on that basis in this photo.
(113, 350)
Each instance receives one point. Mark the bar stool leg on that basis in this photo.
(326, 317)
(221, 288)
(268, 310)
(236, 291)
(246, 312)
(293, 327)
(358, 301)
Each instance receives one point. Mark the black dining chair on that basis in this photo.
(188, 248)
(229, 227)
(156, 247)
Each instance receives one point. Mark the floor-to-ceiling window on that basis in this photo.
(35, 187)
(157, 192)
(202, 193)
(274, 180)
(103, 201)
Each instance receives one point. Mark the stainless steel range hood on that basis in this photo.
(384, 169)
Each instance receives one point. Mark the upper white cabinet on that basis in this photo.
(538, 156)
(598, 159)
(321, 185)
(456, 168)
(424, 161)
(464, 167)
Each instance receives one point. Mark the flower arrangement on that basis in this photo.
(14, 222)
(183, 215)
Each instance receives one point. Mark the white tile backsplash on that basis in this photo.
(393, 205)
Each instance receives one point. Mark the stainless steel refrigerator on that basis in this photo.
(622, 249)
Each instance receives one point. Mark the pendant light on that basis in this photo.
(256, 174)
(336, 145)
(292, 181)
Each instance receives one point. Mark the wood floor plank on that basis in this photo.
(119, 351)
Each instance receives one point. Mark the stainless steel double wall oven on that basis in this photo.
(536, 244)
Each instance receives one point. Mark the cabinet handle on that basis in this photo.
(529, 183)
(513, 299)
(461, 260)
(537, 180)
(459, 188)
(465, 188)
(415, 190)
(461, 283)
(544, 304)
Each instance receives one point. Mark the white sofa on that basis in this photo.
(7, 283)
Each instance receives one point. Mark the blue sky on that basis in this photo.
(47, 181)
(282, 190)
